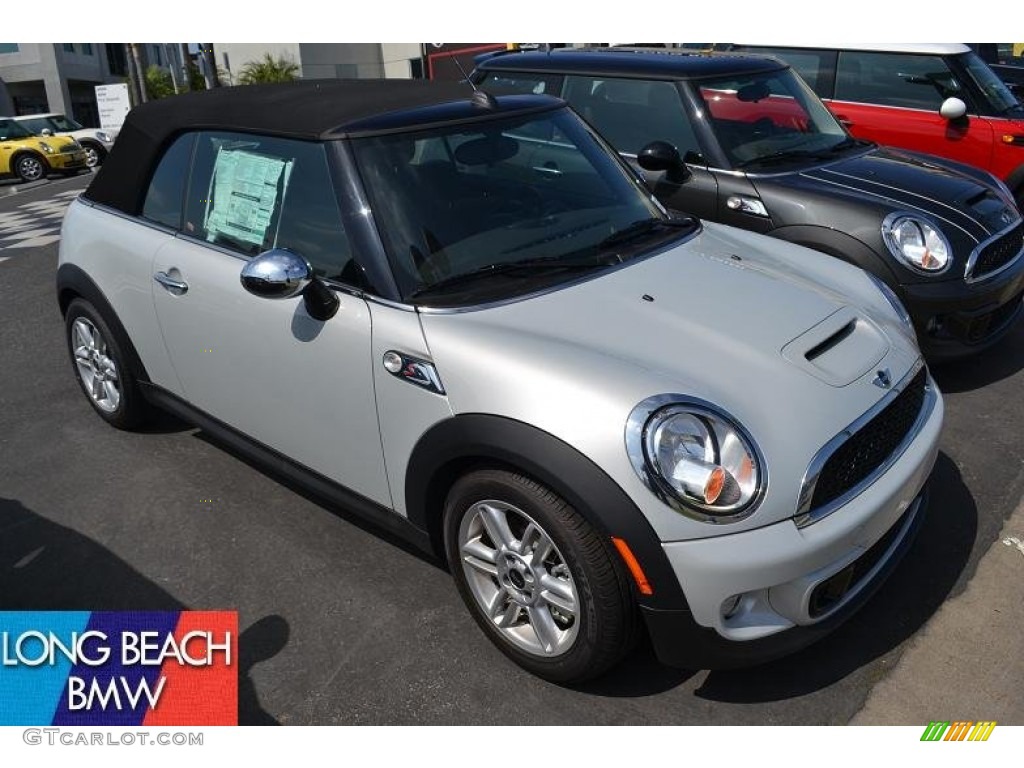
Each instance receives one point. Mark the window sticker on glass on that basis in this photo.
(246, 191)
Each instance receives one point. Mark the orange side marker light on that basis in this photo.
(634, 566)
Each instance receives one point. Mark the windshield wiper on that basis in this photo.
(643, 227)
(541, 265)
(785, 155)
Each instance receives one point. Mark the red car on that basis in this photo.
(936, 98)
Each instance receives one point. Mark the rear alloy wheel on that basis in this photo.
(100, 367)
(542, 584)
(29, 168)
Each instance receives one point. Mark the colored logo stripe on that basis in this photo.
(29, 694)
(119, 668)
(114, 680)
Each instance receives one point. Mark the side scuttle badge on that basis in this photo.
(413, 370)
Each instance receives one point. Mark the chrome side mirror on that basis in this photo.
(277, 274)
(283, 274)
(953, 108)
(46, 132)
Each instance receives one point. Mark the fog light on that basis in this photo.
(730, 606)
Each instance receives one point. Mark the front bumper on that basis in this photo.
(955, 318)
(66, 161)
(796, 584)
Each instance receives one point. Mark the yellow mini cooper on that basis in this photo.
(31, 158)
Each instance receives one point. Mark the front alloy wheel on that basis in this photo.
(29, 168)
(518, 578)
(545, 587)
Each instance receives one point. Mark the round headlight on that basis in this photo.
(695, 457)
(918, 243)
(46, 147)
(103, 136)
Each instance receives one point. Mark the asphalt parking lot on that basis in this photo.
(345, 625)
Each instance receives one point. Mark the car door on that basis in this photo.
(265, 367)
(894, 99)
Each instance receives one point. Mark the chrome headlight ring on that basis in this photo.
(917, 242)
(696, 458)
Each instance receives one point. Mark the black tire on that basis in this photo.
(29, 166)
(607, 613)
(131, 409)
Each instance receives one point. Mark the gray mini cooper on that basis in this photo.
(464, 317)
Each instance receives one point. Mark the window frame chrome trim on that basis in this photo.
(804, 514)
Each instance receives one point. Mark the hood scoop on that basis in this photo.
(840, 349)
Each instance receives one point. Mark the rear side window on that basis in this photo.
(252, 193)
(167, 187)
(895, 80)
(632, 113)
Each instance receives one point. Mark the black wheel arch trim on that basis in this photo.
(456, 445)
(1015, 181)
(72, 283)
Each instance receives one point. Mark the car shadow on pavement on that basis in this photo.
(1000, 362)
(914, 591)
(48, 567)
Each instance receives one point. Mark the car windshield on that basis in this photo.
(769, 118)
(485, 210)
(11, 130)
(1000, 97)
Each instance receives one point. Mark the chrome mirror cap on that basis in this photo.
(277, 274)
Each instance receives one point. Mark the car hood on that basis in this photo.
(886, 180)
(757, 326)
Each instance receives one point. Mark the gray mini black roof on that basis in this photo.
(624, 62)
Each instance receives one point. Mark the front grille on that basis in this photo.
(869, 447)
(999, 252)
(836, 587)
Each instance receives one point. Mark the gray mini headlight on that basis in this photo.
(103, 136)
(695, 457)
(917, 243)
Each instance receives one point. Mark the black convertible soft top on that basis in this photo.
(308, 109)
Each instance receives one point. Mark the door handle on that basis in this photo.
(547, 169)
(844, 121)
(176, 287)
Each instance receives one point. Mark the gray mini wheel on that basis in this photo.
(544, 586)
(30, 167)
(101, 367)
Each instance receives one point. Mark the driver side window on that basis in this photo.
(895, 80)
(251, 193)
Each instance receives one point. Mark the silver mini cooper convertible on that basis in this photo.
(465, 317)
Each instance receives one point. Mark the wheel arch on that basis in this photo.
(839, 245)
(20, 153)
(74, 283)
(1015, 181)
(458, 445)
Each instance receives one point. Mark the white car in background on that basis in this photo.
(95, 141)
